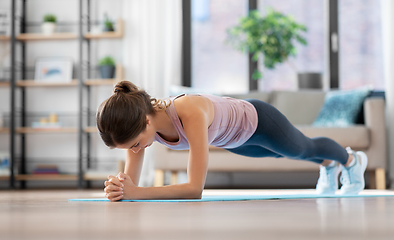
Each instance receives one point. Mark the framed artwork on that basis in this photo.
(53, 69)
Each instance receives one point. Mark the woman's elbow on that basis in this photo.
(195, 193)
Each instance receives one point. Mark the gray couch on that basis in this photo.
(301, 108)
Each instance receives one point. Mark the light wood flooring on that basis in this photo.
(47, 214)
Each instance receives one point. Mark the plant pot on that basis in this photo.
(107, 71)
(310, 80)
(48, 28)
(108, 29)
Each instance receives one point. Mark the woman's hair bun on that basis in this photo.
(125, 87)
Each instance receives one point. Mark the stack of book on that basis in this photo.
(46, 169)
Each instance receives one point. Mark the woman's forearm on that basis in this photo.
(178, 191)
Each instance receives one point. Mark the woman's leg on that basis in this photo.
(276, 136)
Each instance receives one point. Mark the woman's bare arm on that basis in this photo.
(196, 118)
(133, 164)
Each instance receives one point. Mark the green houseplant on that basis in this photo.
(107, 67)
(273, 36)
(49, 24)
(108, 24)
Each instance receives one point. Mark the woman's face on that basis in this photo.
(142, 141)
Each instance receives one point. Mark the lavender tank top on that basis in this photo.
(233, 124)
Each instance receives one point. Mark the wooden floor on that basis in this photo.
(32, 214)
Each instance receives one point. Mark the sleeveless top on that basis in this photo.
(233, 124)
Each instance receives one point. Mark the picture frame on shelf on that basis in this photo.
(53, 69)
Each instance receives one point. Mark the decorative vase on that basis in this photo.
(48, 28)
(107, 71)
(310, 80)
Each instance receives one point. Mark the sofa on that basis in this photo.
(301, 108)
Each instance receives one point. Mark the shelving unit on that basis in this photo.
(4, 131)
(90, 175)
(79, 84)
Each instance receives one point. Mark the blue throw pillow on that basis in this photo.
(341, 108)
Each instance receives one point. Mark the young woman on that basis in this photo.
(130, 119)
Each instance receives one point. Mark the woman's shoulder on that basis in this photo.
(189, 104)
(190, 101)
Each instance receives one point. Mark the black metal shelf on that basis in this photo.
(83, 81)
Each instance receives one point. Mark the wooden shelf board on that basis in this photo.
(92, 82)
(103, 35)
(92, 178)
(4, 178)
(33, 83)
(4, 84)
(91, 130)
(4, 130)
(47, 177)
(40, 36)
(117, 34)
(4, 38)
(40, 130)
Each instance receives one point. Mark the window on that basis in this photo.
(216, 66)
(360, 41)
(309, 58)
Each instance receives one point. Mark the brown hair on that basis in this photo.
(122, 116)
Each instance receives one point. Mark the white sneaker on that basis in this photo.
(328, 180)
(352, 178)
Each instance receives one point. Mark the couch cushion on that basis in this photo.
(341, 108)
(356, 136)
(300, 107)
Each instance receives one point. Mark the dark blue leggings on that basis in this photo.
(275, 136)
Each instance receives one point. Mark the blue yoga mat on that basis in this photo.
(246, 197)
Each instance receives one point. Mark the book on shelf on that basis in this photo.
(46, 169)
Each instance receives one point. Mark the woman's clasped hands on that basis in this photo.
(117, 187)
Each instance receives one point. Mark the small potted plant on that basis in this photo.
(49, 25)
(272, 36)
(108, 24)
(107, 67)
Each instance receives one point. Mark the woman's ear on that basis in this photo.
(148, 122)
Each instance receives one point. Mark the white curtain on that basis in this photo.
(152, 53)
(387, 7)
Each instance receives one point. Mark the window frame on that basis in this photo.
(333, 42)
